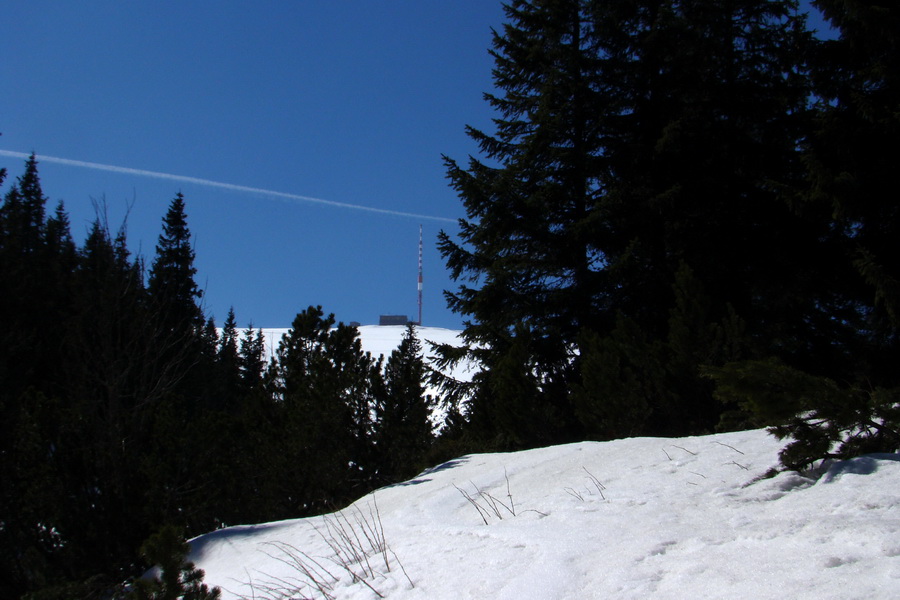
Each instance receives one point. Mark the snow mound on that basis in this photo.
(636, 518)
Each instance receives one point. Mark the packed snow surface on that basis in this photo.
(688, 518)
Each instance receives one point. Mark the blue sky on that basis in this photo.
(351, 102)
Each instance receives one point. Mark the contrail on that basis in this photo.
(218, 184)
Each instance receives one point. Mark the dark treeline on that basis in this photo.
(684, 220)
(124, 410)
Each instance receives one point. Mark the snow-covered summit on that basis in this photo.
(377, 339)
(381, 340)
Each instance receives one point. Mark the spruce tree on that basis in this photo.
(228, 342)
(257, 439)
(529, 265)
(634, 139)
(320, 380)
(842, 410)
(70, 439)
(251, 359)
(36, 259)
(112, 380)
(851, 156)
(177, 578)
(171, 283)
(357, 375)
(184, 356)
(228, 371)
(403, 428)
(28, 218)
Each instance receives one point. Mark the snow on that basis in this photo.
(688, 518)
(377, 339)
(382, 340)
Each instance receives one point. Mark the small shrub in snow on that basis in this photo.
(823, 419)
(357, 550)
(487, 504)
(594, 485)
(177, 578)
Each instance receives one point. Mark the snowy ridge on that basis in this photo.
(377, 339)
(684, 518)
(381, 340)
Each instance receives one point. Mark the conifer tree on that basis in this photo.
(178, 579)
(28, 216)
(185, 347)
(843, 410)
(358, 375)
(107, 346)
(34, 274)
(634, 138)
(36, 258)
(228, 343)
(228, 363)
(171, 284)
(60, 244)
(251, 357)
(526, 244)
(257, 440)
(111, 379)
(403, 429)
(852, 155)
(67, 407)
(320, 379)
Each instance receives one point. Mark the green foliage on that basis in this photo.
(823, 419)
(171, 283)
(517, 414)
(632, 384)
(177, 579)
(814, 394)
(527, 258)
(92, 588)
(251, 359)
(623, 378)
(402, 428)
(30, 537)
(769, 392)
(36, 259)
(639, 167)
(122, 407)
(321, 380)
(851, 157)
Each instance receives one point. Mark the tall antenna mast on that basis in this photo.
(420, 276)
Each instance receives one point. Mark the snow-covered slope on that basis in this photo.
(640, 518)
